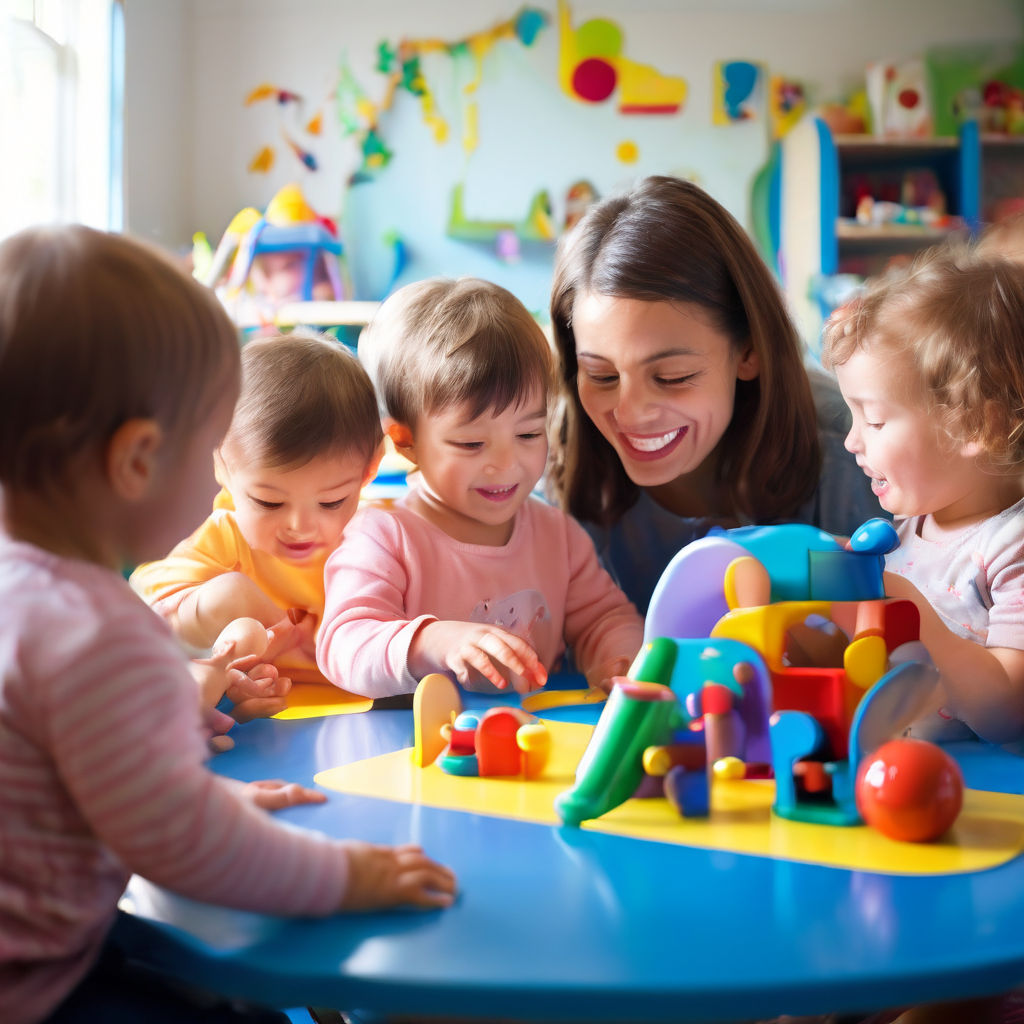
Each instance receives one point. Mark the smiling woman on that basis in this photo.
(686, 402)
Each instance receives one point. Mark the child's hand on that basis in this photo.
(477, 649)
(274, 794)
(216, 724)
(601, 677)
(391, 876)
(296, 630)
(256, 690)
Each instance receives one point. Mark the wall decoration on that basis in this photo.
(787, 103)
(291, 105)
(536, 226)
(591, 66)
(900, 100)
(578, 197)
(737, 91)
(627, 152)
(402, 64)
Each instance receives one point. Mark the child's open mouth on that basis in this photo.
(498, 494)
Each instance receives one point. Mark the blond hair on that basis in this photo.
(442, 342)
(97, 329)
(667, 240)
(302, 395)
(1004, 238)
(955, 318)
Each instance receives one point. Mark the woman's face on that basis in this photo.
(658, 381)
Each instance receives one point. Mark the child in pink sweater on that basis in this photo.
(468, 575)
(120, 373)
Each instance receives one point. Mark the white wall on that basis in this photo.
(189, 136)
(160, 122)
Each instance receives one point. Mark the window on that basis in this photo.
(60, 87)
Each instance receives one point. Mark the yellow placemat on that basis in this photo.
(989, 831)
(317, 700)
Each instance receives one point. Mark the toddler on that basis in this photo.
(468, 575)
(119, 375)
(304, 439)
(930, 362)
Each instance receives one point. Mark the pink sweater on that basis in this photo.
(395, 571)
(102, 774)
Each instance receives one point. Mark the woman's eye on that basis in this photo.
(874, 426)
(670, 381)
(268, 505)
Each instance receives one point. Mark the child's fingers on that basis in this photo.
(473, 658)
(218, 744)
(257, 707)
(516, 654)
(275, 794)
(420, 892)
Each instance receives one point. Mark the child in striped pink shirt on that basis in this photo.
(119, 376)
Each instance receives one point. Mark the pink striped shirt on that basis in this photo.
(102, 775)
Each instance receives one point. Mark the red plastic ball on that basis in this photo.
(909, 789)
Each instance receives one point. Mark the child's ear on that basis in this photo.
(749, 365)
(131, 457)
(401, 438)
(374, 464)
(220, 470)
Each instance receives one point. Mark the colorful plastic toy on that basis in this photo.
(288, 231)
(501, 741)
(781, 621)
(686, 704)
(909, 789)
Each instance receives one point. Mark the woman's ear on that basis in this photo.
(749, 365)
(131, 458)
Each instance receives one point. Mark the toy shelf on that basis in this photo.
(821, 178)
(852, 231)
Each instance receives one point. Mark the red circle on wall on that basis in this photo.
(593, 80)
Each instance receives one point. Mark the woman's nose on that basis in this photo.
(632, 409)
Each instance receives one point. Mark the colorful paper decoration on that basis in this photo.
(627, 152)
(591, 67)
(292, 103)
(787, 103)
(536, 226)
(737, 91)
(402, 64)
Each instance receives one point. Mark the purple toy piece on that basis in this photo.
(690, 596)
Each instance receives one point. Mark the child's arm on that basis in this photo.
(370, 641)
(207, 609)
(601, 624)
(984, 685)
(137, 777)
